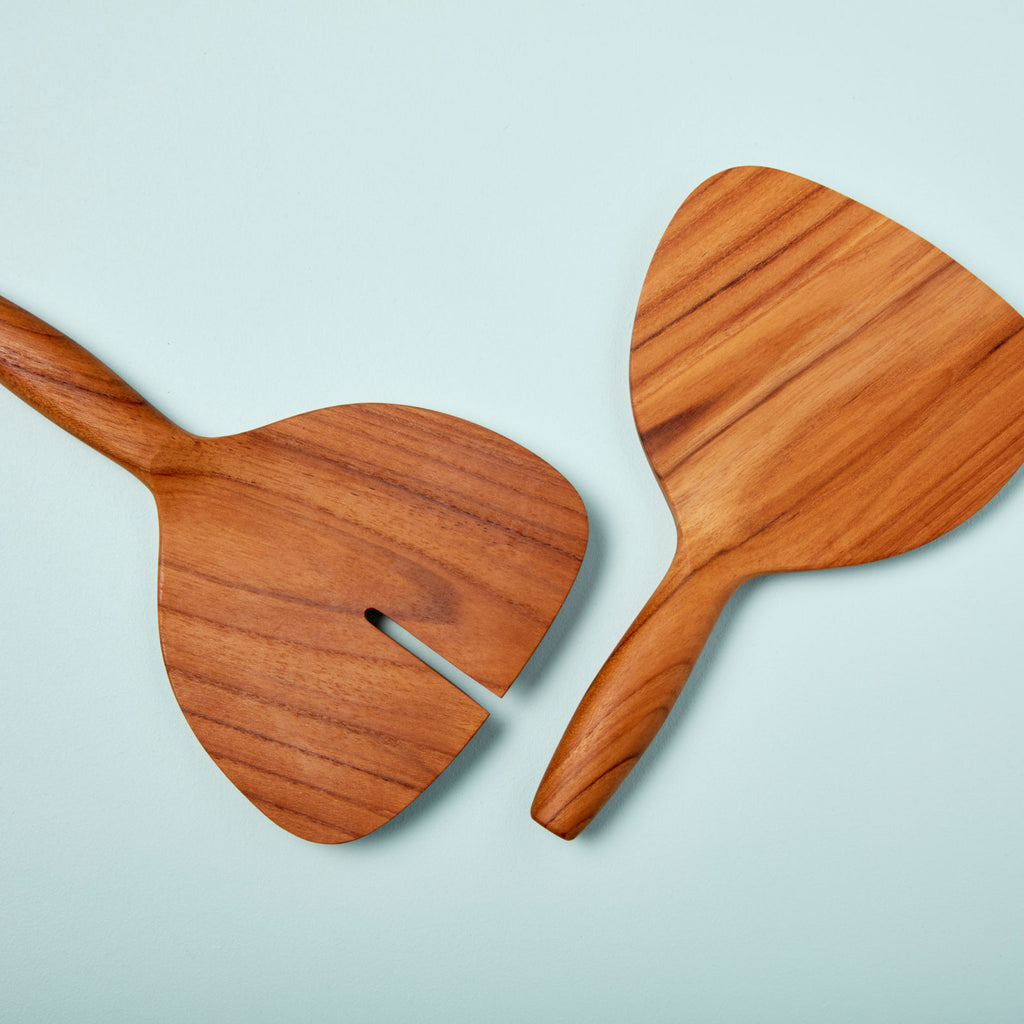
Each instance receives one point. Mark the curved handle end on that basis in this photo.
(568, 815)
(631, 697)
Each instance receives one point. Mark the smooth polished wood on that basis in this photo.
(278, 545)
(814, 386)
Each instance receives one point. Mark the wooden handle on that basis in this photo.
(76, 391)
(630, 698)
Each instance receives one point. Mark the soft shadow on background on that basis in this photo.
(481, 746)
(250, 211)
(674, 729)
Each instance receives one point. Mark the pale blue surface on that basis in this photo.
(253, 210)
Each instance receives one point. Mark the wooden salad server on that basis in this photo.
(277, 547)
(814, 385)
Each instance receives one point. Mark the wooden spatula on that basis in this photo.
(814, 386)
(278, 545)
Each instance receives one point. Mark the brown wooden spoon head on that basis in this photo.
(275, 545)
(278, 547)
(814, 384)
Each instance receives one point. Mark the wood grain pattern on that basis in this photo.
(275, 545)
(814, 386)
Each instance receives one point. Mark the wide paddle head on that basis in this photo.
(814, 385)
(278, 545)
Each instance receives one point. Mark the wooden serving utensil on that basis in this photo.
(814, 386)
(278, 545)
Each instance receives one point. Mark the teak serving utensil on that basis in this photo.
(277, 545)
(814, 386)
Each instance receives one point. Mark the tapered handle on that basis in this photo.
(76, 391)
(628, 701)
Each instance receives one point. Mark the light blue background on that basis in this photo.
(251, 210)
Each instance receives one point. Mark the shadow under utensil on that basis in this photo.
(608, 819)
(485, 741)
(680, 714)
(580, 597)
(448, 782)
